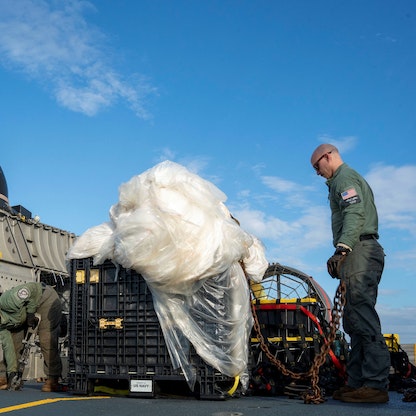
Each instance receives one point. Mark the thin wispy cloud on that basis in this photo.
(278, 184)
(343, 144)
(398, 320)
(52, 44)
(195, 164)
(290, 193)
(287, 236)
(395, 192)
(166, 154)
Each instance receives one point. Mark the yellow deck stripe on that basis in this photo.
(46, 401)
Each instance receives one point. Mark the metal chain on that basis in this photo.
(314, 395)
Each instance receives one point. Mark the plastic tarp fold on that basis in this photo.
(172, 227)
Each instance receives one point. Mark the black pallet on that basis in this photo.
(116, 342)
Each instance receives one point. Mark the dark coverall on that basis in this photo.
(28, 298)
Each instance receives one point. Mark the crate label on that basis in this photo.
(141, 386)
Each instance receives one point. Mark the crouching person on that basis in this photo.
(18, 306)
(9, 357)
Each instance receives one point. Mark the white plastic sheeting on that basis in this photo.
(172, 227)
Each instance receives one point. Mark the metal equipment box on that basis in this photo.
(19, 209)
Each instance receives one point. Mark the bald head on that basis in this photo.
(326, 159)
(321, 150)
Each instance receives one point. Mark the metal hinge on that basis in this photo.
(105, 323)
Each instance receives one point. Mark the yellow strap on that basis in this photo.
(234, 387)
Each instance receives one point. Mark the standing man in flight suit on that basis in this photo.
(359, 262)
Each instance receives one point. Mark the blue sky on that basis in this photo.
(240, 92)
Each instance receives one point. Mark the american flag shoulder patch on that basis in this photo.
(349, 193)
(350, 196)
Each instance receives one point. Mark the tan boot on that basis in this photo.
(3, 383)
(366, 395)
(51, 384)
(344, 389)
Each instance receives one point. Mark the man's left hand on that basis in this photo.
(334, 262)
(32, 320)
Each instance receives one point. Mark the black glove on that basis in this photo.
(334, 262)
(31, 320)
(14, 381)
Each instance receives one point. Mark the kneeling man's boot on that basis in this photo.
(51, 384)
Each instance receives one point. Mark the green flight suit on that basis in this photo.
(355, 224)
(32, 297)
(9, 353)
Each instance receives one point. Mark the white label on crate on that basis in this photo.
(141, 386)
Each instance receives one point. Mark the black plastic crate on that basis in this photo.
(116, 342)
(210, 385)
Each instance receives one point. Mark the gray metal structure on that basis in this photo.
(34, 252)
(31, 251)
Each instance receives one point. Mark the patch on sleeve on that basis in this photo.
(23, 293)
(350, 197)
